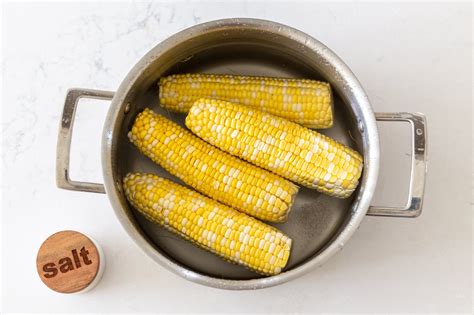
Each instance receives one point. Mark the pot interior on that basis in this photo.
(315, 218)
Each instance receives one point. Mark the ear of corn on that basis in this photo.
(306, 102)
(219, 229)
(276, 144)
(211, 171)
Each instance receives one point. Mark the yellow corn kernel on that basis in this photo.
(209, 170)
(306, 102)
(295, 152)
(176, 211)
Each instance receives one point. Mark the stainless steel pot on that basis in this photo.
(319, 225)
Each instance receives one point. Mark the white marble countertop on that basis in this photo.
(409, 57)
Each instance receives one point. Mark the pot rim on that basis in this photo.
(360, 105)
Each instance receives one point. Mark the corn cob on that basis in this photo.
(276, 144)
(219, 229)
(217, 174)
(306, 102)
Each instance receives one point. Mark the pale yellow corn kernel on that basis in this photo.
(306, 102)
(292, 151)
(209, 170)
(176, 211)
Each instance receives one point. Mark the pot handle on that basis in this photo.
(63, 149)
(414, 204)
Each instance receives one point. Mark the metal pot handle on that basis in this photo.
(414, 204)
(63, 149)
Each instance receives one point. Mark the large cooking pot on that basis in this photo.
(319, 225)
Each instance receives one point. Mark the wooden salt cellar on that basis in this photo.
(70, 262)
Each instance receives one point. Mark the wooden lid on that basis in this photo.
(68, 262)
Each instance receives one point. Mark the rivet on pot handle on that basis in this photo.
(64, 140)
(418, 166)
